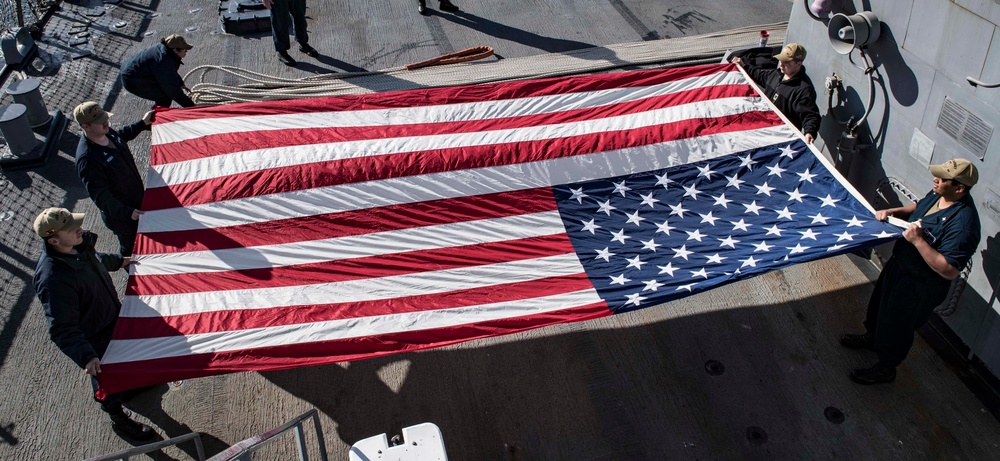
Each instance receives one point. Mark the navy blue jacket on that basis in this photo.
(79, 298)
(157, 66)
(110, 175)
(795, 97)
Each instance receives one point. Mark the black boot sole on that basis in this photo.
(870, 381)
(145, 435)
(855, 344)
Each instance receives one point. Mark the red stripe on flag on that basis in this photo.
(447, 95)
(352, 269)
(248, 319)
(332, 225)
(117, 377)
(226, 143)
(315, 175)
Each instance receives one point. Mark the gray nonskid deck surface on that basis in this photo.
(633, 386)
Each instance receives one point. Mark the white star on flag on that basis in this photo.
(619, 236)
(634, 218)
(809, 234)
(705, 171)
(722, 201)
(734, 181)
(752, 207)
(764, 189)
(621, 188)
(635, 299)
(695, 235)
(668, 269)
(650, 245)
(605, 207)
(729, 242)
(776, 170)
(635, 262)
(691, 191)
(681, 252)
(798, 248)
(651, 285)
(589, 226)
(648, 200)
(741, 225)
(620, 280)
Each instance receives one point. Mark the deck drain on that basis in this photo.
(756, 435)
(715, 367)
(833, 415)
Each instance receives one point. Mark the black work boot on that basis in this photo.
(422, 7)
(286, 59)
(862, 341)
(447, 5)
(130, 430)
(308, 50)
(877, 374)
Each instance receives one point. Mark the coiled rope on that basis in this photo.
(242, 85)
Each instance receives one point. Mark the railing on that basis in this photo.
(21, 13)
(243, 451)
(141, 450)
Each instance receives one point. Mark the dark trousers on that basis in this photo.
(283, 14)
(112, 404)
(900, 304)
(147, 89)
(125, 231)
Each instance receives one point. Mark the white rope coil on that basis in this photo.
(255, 86)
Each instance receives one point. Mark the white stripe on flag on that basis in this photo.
(369, 289)
(485, 110)
(355, 246)
(460, 183)
(174, 346)
(264, 159)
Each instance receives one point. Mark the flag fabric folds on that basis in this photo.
(296, 233)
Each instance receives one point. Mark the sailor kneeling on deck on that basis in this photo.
(152, 73)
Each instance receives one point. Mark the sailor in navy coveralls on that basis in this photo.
(942, 237)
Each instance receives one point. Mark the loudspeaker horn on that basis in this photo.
(855, 31)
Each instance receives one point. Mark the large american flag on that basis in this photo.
(295, 233)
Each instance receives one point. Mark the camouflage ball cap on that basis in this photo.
(90, 112)
(53, 220)
(791, 52)
(958, 169)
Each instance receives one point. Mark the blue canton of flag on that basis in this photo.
(648, 238)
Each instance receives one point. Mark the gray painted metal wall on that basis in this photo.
(926, 50)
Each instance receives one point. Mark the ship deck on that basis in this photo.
(642, 385)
